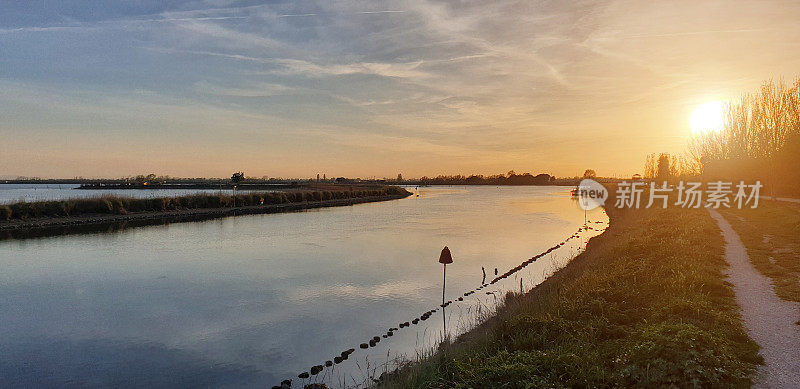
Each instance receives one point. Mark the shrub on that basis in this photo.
(5, 212)
(119, 207)
(83, 206)
(50, 208)
(160, 204)
(138, 205)
(674, 354)
(20, 210)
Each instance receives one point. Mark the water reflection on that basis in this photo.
(251, 300)
(111, 363)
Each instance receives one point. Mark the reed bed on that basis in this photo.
(114, 205)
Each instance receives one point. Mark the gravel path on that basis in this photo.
(769, 320)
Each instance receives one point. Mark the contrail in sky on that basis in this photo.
(358, 13)
(696, 33)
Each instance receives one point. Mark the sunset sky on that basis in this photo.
(101, 88)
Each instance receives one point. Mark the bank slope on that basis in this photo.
(645, 305)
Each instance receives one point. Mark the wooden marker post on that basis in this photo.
(444, 258)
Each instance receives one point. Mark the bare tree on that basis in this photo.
(757, 129)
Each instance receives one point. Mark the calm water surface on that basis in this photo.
(252, 300)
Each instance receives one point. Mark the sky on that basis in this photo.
(191, 88)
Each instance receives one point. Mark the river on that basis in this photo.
(251, 300)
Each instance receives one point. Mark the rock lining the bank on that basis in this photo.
(424, 316)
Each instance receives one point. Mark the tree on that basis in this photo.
(589, 173)
(662, 169)
(650, 166)
(665, 167)
(399, 177)
(237, 177)
(541, 179)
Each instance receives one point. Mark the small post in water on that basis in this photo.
(444, 258)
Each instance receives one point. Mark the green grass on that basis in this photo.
(124, 205)
(646, 305)
(771, 234)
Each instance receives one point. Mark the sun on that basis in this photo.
(707, 118)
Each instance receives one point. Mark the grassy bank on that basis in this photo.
(771, 234)
(646, 305)
(110, 205)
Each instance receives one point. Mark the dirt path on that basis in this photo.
(770, 321)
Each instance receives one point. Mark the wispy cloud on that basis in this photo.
(398, 70)
(256, 90)
(238, 57)
(295, 15)
(43, 29)
(381, 12)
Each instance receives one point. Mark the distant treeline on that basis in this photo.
(123, 205)
(158, 182)
(511, 178)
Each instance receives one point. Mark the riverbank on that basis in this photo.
(646, 305)
(22, 220)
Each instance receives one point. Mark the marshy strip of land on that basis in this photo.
(647, 305)
(43, 218)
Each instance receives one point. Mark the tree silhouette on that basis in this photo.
(237, 177)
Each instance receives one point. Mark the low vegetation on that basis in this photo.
(771, 234)
(125, 205)
(646, 305)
